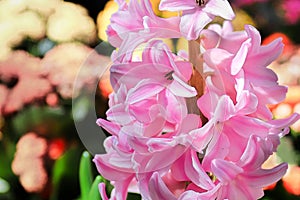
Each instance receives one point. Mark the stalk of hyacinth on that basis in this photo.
(190, 129)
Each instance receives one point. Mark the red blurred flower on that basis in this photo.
(289, 47)
(21, 82)
(56, 148)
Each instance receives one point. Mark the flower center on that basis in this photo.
(169, 75)
(200, 2)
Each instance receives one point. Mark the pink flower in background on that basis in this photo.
(3, 94)
(292, 10)
(28, 162)
(62, 64)
(247, 2)
(21, 81)
(195, 16)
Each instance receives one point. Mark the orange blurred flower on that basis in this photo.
(296, 125)
(28, 163)
(291, 180)
(104, 85)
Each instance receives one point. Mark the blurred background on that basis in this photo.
(44, 44)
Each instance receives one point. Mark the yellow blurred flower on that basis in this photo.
(18, 22)
(241, 19)
(9, 8)
(103, 18)
(44, 8)
(71, 22)
(31, 25)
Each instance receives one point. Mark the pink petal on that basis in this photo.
(253, 156)
(112, 128)
(217, 148)
(158, 189)
(184, 70)
(195, 172)
(110, 172)
(224, 110)
(177, 5)
(192, 23)
(102, 191)
(219, 8)
(119, 115)
(266, 177)
(143, 90)
(246, 103)
(209, 39)
(202, 136)
(182, 89)
(225, 171)
(240, 58)
(192, 195)
(255, 38)
(177, 171)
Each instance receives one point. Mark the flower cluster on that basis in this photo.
(190, 129)
(21, 82)
(28, 162)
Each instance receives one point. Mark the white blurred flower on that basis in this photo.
(71, 22)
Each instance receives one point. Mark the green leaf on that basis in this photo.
(65, 175)
(94, 192)
(287, 152)
(33, 117)
(85, 175)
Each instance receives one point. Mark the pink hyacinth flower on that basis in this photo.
(240, 63)
(159, 65)
(245, 179)
(197, 14)
(136, 23)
